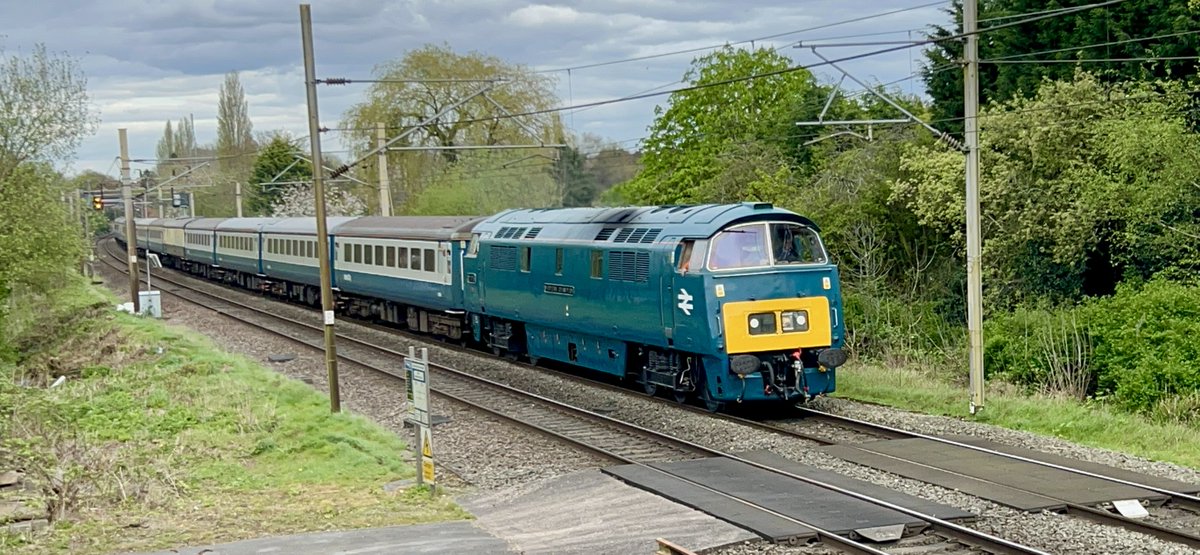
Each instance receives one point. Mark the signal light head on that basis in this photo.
(98, 203)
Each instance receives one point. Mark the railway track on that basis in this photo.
(589, 431)
(1178, 520)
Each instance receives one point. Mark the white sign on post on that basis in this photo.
(416, 371)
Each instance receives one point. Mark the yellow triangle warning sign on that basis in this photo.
(426, 443)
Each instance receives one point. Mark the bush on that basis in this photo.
(1138, 349)
(1147, 343)
(898, 331)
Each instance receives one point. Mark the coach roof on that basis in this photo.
(306, 225)
(431, 228)
(244, 225)
(203, 224)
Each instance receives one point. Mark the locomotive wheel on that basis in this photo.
(681, 397)
(710, 404)
(649, 387)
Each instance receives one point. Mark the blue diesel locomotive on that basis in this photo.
(722, 303)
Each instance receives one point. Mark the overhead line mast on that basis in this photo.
(974, 229)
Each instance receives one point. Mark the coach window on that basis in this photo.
(558, 261)
(430, 260)
(296, 247)
(357, 254)
(414, 260)
(367, 257)
(402, 257)
(312, 249)
(379, 255)
(349, 250)
(391, 257)
(597, 263)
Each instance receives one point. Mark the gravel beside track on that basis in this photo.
(490, 454)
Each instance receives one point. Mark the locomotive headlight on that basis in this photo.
(762, 323)
(794, 320)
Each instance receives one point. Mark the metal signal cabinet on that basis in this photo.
(650, 293)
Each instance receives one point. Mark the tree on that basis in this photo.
(165, 149)
(235, 132)
(39, 244)
(44, 111)
(703, 131)
(278, 162)
(1083, 185)
(577, 184)
(185, 138)
(298, 200)
(486, 182)
(1060, 38)
(420, 85)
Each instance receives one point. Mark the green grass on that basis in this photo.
(189, 445)
(1086, 423)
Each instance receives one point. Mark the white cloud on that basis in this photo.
(538, 15)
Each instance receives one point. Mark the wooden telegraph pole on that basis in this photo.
(130, 229)
(314, 139)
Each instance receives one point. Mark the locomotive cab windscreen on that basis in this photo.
(760, 245)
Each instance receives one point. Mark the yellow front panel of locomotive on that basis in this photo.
(738, 337)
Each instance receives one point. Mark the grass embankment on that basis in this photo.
(159, 439)
(1007, 406)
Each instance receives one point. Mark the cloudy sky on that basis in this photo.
(150, 61)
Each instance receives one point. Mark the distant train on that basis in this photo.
(723, 303)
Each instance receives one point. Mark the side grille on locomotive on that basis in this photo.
(629, 266)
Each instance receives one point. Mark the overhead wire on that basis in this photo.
(792, 69)
(746, 41)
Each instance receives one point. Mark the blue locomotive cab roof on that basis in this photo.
(432, 228)
(203, 224)
(640, 224)
(306, 225)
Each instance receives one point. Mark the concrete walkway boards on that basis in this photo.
(581, 513)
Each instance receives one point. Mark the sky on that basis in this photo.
(149, 61)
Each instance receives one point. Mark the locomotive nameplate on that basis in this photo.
(555, 289)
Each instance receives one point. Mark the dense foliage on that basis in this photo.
(44, 114)
(1091, 213)
(276, 163)
(1136, 348)
(1113, 32)
(1083, 185)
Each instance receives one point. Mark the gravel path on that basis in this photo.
(469, 442)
